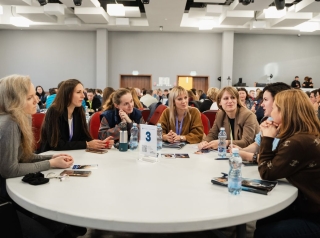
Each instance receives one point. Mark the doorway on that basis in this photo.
(136, 81)
(197, 82)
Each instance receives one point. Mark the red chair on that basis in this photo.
(37, 120)
(145, 113)
(156, 115)
(211, 114)
(94, 124)
(205, 123)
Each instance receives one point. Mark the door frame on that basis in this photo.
(200, 76)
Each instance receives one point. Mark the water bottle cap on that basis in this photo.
(134, 124)
(235, 150)
(222, 128)
(159, 124)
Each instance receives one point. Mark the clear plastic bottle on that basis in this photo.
(222, 136)
(234, 178)
(134, 137)
(87, 114)
(159, 136)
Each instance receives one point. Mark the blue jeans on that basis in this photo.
(288, 223)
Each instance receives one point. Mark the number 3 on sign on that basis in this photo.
(148, 136)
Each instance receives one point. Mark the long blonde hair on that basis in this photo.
(174, 93)
(14, 91)
(297, 114)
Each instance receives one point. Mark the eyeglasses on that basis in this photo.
(57, 176)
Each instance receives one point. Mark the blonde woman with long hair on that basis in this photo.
(297, 158)
(179, 121)
(18, 101)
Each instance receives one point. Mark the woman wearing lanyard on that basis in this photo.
(180, 122)
(65, 127)
(239, 122)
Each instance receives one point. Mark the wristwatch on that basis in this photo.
(255, 158)
(182, 138)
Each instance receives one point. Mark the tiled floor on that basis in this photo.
(229, 232)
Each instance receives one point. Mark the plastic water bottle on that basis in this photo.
(234, 178)
(159, 136)
(134, 137)
(222, 136)
(87, 114)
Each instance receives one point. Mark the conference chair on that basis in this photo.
(156, 115)
(211, 114)
(205, 123)
(94, 124)
(145, 113)
(37, 120)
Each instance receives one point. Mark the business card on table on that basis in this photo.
(168, 156)
(85, 166)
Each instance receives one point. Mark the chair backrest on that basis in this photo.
(145, 113)
(211, 114)
(195, 104)
(156, 115)
(205, 123)
(37, 120)
(94, 124)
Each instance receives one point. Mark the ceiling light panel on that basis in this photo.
(92, 15)
(116, 10)
(85, 3)
(236, 17)
(54, 9)
(257, 5)
(132, 12)
(35, 14)
(291, 19)
(16, 2)
(308, 6)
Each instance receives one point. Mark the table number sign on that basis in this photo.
(148, 143)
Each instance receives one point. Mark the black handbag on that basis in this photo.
(9, 221)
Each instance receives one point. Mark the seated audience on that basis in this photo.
(310, 83)
(147, 99)
(106, 95)
(52, 95)
(42, 96)
(18, 101)
(296, 83)
(202, 95)
(119, 108)
(93, 103)
(296, 159)
(245, 99)
(179, 121)
(238, 121)
(257, 107)
(64, 126)
(250, 153)
(98, 94)
(210, 103)
(136, 100)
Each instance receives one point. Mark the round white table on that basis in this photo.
(172, 195)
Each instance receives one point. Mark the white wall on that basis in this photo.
(164, 55)
(49, 56)
(284, 56)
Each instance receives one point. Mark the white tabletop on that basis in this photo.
(173, 195)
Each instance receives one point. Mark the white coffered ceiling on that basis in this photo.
(172, 15)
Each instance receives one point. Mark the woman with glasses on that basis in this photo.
(296, 159)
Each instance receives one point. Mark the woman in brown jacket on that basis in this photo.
(235, 118)
(180, 122)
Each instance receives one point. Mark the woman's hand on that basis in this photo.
(246, 155)
(61, 161)
(170, 136)
(206, 145)
(57, 155)
(124, 116)
(108, 142)
(97, 144)
(269, 128)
